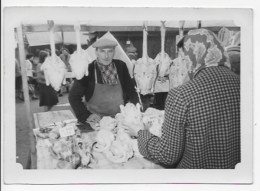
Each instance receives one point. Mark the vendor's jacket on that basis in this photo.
(201, 129)
(85, 88)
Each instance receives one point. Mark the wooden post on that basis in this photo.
(26, 94)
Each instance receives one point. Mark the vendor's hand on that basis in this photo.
(93, 118)
(132, 128)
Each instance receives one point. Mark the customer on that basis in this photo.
(106, 87)
(201, 129)
(48, 96)
(29, 71)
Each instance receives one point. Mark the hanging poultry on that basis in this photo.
(145, 69)
(163, 59)
(179, 70)
(80, 59)
(53, 67)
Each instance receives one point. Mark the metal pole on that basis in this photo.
(26, 92)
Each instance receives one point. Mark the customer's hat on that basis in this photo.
(104, 43)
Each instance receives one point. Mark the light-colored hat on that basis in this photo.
(104, 43)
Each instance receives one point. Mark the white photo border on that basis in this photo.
(15, 174)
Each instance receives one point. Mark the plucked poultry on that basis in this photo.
(179, 71)
(130, 113)
(63, 149)
(108, 123)
(224, 36)
(163, 59)
(121, 149)
(104, 140)
(145, 69)
(80, 59)
(54, 68)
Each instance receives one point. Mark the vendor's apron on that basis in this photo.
(106, 99)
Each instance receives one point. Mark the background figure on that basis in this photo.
(131, 52)
(18, 80)
(234, 58)
(29, 71)
(65, 57)
(48, 96)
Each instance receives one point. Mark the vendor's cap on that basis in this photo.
(104, 43)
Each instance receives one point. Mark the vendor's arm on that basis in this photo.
(76, 101)
(129, 86)
(169, 148)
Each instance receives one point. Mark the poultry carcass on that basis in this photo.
(179, 70)
(104, 139)
(130, 113)
(62, 149)
(54, 68)
(80, 59)
(224, 36)
(121, 149)
(145, 69)
(107, 123)
(162, 59)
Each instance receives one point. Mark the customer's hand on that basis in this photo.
(132, 128)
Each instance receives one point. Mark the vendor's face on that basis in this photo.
(105, 55)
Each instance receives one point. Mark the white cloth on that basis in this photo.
(28, 66)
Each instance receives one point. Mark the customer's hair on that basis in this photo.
(42, 56)
(29, 56)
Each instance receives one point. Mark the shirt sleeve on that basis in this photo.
(168, 149)
(129, 86)
(76, 101)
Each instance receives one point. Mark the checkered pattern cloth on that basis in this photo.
(202, 124)
(108, 73)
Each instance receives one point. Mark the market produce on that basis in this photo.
(63, 149)
(104, 139)
(80, 59)
(163, 59)
(145, 69)
(224, 36)
(61, 164)
(179, 70)
(119, 152)
(75, 159)
(130, 113)
(108, 123)
(54, 68)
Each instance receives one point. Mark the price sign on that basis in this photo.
(66, 131)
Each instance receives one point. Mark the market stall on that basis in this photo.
(75, 156)
(57, 140)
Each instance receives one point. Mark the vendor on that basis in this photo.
(107, 86)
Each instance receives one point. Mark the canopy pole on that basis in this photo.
(26, 95)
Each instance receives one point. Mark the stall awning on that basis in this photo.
(70, 38)
(42, 38)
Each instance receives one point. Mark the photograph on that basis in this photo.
(123, 99)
